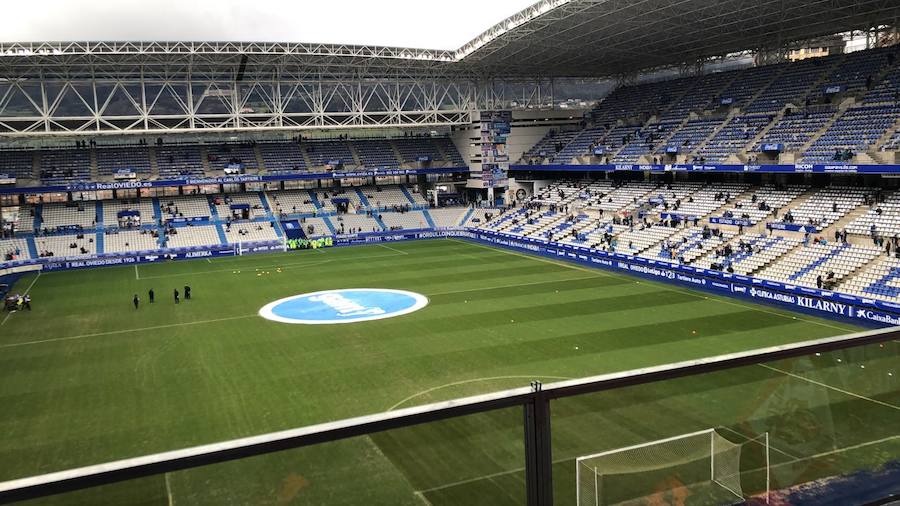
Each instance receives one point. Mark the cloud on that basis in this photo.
(408, 23)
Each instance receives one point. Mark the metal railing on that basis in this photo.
(534, 400)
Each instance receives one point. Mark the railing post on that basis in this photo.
(538, 454)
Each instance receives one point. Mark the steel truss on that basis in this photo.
(105, 88)
(90, 88)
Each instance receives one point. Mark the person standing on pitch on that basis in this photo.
(151, 296)
(176, 296)
(187, 292)
(135, 301)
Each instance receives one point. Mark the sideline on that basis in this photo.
(9, 313)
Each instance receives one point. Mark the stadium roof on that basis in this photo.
(610, 37)
(552, 38)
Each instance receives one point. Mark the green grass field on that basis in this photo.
(86, 378)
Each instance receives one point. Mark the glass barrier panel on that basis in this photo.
(819, 427)
(470, 460)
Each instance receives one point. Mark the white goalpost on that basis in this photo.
(702, 462)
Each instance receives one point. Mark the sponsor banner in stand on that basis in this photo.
(232, 179)
(703, 167)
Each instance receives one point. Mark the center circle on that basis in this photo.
(349, 305)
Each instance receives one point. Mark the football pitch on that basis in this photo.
(86, 378)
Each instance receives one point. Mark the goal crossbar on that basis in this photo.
(725, 474)
(644, 445)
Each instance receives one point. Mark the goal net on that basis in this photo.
(702, 465)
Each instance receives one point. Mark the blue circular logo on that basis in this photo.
(343, 306)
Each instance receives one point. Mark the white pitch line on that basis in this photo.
(836, 389)
(559, 263)
(13, 345)
(385, 246)
(232, 269)
(137, 276)
(126, 331)
(169, 490)
(33, 281)
(381, 454)
(473, 380)
(662, 286)
(512, 286)
(839, 450)
(756, 440)
(422, 498)
(274, 266)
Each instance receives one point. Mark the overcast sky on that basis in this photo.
(427, 24)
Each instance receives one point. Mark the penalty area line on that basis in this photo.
(169, 490)
(830, 387)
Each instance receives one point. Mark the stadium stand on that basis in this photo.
(411, 148)
(121, 241)
(111, 161)
(65, 165)
(19, 164)
(220, 156)
(192, 236)
(732, 137)
(66, 245)
(700, 97)
(645, 141)
(282, 157)
(292, 202)
(853, 132)
(322, 152)
(405, 221)
(119, 213)
(827, 206)
(179, 161)
(80, 214)
(688, 137)
(791, 86)
(807, 264)
(795, 129)
(315, 227)
(355, 223)
(549, 146)
(882, 218)
(763, 202)
(880, 280)
(14, 249)
(384, 197)
(747, 253)
(242, 232)
(376, 154)
(232, 205)
(185, 207)
(580, 144)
